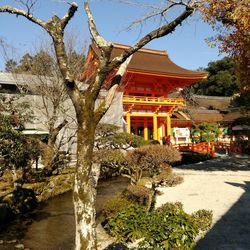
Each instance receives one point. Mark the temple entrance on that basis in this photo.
(153, 127)
(141, 132)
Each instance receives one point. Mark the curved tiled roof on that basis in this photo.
(155, 62)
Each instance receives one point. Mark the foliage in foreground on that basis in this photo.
(167, 227)
(16, 150)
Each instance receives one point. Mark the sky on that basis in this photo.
(186, 46)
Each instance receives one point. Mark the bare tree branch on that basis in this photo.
(28, 4)
(103, 107)
(55, 27)
(160, 32)
(29, 16)
(157, 11)
(71, 11)
(99, 40)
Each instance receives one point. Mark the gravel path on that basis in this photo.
(223, 186)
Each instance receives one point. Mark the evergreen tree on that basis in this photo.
(221, 81)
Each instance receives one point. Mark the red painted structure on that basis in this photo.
(149, 79)
(202, 147)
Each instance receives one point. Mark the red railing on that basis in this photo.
(151, 99)
(209, 148)
(202, 147)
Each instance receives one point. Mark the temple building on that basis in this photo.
(146, 89)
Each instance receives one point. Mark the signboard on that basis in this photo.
(181, 132)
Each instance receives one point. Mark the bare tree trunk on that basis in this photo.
(84, 205)
(84, 197)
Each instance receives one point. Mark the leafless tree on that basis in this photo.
(40, 79)
(88, 115)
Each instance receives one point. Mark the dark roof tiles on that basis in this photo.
(154, 61)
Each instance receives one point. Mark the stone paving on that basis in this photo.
(223, 186)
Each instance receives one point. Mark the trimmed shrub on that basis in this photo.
(167, 227)
(167, 177)
(116, 205)
(109, 137)
(140, 194)
(112, 162)
(126, 226)
(148, 159)
(125, 140)
(203, 219)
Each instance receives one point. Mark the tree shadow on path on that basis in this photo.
(232, 231)
(224, 163)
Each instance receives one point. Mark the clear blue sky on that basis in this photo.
(186, 46)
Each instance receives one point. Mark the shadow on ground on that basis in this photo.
(221, 163)
(232, 231)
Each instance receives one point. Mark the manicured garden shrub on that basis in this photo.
(112, 162)
(148, 159)
(203, 219)
(167, 227)
(167, 177)
(116, 205)
(140, 195)
(151, 156)
(125, 140)
(127, 225)
(109, 137)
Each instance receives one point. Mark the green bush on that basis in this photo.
(116, 205)
(125, 140)
(112, 162)
(140, 195)
(109, 137)
(167, 177)
(148, 159)
(126, 226)
(167, 227)
(137, 141)
(203, 219)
